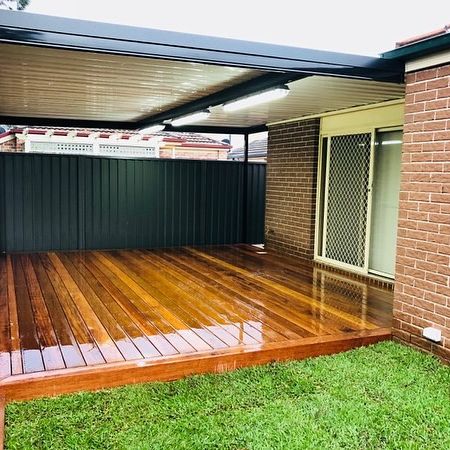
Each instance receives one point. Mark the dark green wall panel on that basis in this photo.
(55, 202)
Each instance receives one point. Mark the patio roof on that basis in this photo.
(65, 72)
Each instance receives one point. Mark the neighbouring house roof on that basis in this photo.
(191, 140)
(256, 149)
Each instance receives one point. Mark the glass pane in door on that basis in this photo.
(385, 197)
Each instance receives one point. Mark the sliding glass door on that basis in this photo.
(358, 204)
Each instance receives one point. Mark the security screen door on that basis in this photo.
(346, 205)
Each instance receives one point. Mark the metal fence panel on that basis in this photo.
(256, 185)
(65, 202)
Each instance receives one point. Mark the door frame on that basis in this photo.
(321, 222)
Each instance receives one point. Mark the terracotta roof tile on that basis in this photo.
(423, 37)
(256, 149)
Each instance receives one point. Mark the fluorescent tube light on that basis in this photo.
(191, 118)
(152, 129)
(256, 99)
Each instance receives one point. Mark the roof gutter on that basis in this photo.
(417, 49)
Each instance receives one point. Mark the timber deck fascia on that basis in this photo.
(64, 381)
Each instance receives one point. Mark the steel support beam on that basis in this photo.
(131, 126)
(61, 122)
(249, 87)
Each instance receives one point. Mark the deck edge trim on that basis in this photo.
(103, 376)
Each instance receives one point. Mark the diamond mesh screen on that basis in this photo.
(348, 179)
(61, 147)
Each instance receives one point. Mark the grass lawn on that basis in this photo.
(383, 396)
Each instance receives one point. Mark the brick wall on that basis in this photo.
(291, 187)
(10, 145)
(422, 287)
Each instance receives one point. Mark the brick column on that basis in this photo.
(422, 286)
(291, 187)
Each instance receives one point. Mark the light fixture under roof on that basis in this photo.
(256, 99)
(191, 118)
(152, 129)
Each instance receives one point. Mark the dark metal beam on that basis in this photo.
(216, 129)
(246, 148)
(61, 122)
(257, 129)
(252, 86)
(78, 123)
(57, 32)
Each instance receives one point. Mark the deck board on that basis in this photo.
(50, 349)
(14, 336)
(87, 345)
(234, 300)
(198, 309)
(5, 355)
(32, 359)
(68, 343)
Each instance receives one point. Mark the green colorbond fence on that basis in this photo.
(69, 202)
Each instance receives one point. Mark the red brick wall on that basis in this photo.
(291, 187)
(20, 145)
(422, 287)
(10, 146)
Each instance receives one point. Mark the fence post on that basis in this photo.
(81, 192)
(245, 192)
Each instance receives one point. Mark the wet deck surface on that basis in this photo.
(69, 310)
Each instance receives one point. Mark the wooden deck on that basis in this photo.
(86, 320)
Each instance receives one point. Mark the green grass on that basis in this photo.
(383, 396)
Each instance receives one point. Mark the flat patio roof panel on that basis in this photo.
(309, 96)
(47, 82)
